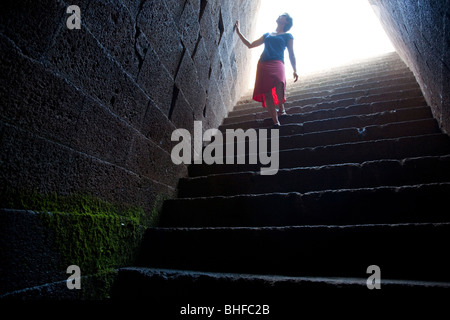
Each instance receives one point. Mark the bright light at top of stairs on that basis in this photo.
(327, 33)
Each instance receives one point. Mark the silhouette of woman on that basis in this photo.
(270, 84)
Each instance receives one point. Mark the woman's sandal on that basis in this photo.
(282, 113)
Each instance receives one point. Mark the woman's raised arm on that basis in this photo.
(249, 44)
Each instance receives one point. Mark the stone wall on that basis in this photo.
(420, 32)
(91, 111)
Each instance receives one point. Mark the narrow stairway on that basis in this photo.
(363, 180)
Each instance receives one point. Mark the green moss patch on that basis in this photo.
(87, 231)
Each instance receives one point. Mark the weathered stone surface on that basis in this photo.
(26, 262)
(101, 134)
(151, 161)
(305, 250)
(209, 31)
(187, 82)
(26, 21)
(283, 292)
(31, 162)
(84, 62)
(113, 26)
(419, 31)
(156, 22)
(363, 183)
(356, 152)
(189, 27)
(156, 81)
(215, 107)
(202, 63)
(87, 111)
(35, 98)
(157, 127)
(183, 116)
(410, 171)
(176, 7)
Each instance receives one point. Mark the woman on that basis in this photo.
(270, 84)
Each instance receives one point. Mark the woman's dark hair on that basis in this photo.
(289, 23)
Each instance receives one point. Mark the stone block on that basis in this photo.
(196, 6)
(120, 186)
(157, 24)
(102, 19)
(150, 161)
(202, 63)
(227, 17)
(176, 8)
(133, 8)
(82, 60)
(36, 99)
(30, 259)
(34, 163)
(183, 115)
(216, 66)
(101, 134)
(156, 81)
(215, 109)
(157, 127)
(30, 162)
(235, 11)
(189, 27)
(418, 32)
(209, 31)
(187, 81)
(32, 24)
(87, 111)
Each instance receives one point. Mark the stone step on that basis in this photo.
(355, 152)
(360, 67)
(290, 140)
(324, 96)
(387, 105)
(363, 180)
(293, 94)
(368, 174)
(345, 75)
(141, 283)
(412, 251)
(355, 66)
(374, 205)
(354, 98)
(337, 80)
(350, 93)
(338, 118)
(309, 113)
(375, 132)
(310, 90)
(307, 88)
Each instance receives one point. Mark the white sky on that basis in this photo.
(326, 33)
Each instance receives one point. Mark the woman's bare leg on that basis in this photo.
(280, 95)
(270, 104)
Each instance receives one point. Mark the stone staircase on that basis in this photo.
(364, 180)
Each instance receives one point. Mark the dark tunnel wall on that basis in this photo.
(420, 32)
(90, 112)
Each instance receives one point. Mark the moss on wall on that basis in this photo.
(87, 231)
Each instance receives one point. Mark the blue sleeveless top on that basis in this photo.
(274, 46)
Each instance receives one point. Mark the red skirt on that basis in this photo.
(268, 75)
